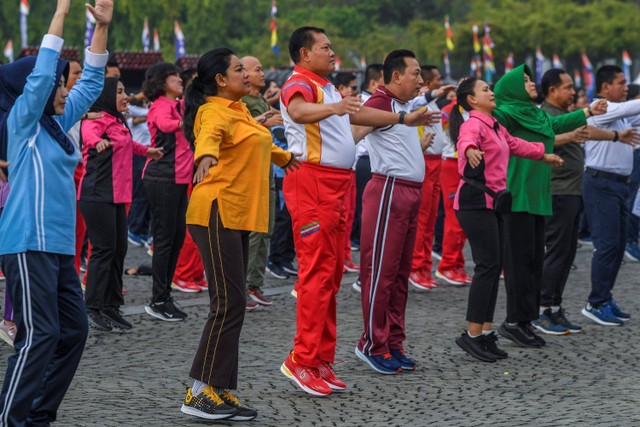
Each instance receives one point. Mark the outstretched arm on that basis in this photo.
(28, 108)
(57, 23)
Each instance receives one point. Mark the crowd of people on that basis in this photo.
(227, 178)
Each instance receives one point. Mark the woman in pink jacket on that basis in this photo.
(484, 147)
(103, 193)
(166, 182)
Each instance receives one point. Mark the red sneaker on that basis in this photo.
(452, 277)
(184, 286)
(467, 279)
(421, 281)
(306, 378)
(202, 284)
(329, 376)
(351, 267)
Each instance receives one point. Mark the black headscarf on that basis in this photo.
(107, 101)
(13, 78)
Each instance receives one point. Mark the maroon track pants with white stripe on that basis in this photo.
(389, 221)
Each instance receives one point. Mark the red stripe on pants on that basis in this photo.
(389, 222)
(454, 238)
(81, 227)
(427, 215)
(315, 198)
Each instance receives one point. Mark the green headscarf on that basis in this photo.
(513, 100)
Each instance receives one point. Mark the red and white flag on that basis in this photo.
(8, 51)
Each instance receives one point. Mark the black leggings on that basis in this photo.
(168, 208)
(486, 231)
(107, 230)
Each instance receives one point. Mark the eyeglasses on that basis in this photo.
(354, 88)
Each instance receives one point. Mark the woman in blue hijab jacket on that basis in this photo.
(37, 225)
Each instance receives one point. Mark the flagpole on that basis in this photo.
(24, 12)
(274, 29)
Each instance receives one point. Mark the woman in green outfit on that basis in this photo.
(530, 184)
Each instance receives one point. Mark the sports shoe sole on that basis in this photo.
(449, 281)
(419, 286)
(287, 373)
(631, 257)
(98, 327)
(277, 276)
(242, 418)
(334, 388)
(356, 287)
(548, 331)
(436, 255)
(6, 338)
(365, 359)
(185, 290)
(290, 271)
(134, 243)
(599, 321)
(260, 301)
(196, 413)
(508, 335)
(469, 350)
(150, 312)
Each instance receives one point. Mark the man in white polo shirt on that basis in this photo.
(605, 188)
(389, 218)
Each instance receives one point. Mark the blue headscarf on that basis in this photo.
(13, 78)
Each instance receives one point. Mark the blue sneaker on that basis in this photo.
(406, 363)
(559, 317)
(135, 239)
(603, 315)
(632, 252)
(383, 364)
(546, 324)
(615, 309)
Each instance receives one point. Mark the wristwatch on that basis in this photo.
(401, 118)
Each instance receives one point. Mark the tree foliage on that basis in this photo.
(362, 28)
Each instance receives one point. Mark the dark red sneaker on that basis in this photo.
(256, 295)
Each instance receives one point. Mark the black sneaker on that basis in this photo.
(289, 268)
(476, 347)
(532, 331)
(166, 311)
(114, 316)
(276, 271)
(97, 322)
(491, 341)
(207, 404)
(244, 412)
(519, 334)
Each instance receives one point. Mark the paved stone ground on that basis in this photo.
(591, 379)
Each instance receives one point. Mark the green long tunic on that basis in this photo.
(528, 180)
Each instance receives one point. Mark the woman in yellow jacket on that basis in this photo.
(230, 199)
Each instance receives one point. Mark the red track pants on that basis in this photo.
(315, 197)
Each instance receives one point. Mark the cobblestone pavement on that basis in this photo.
(590, 379)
